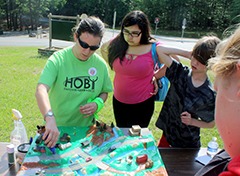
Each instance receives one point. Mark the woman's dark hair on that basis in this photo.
(92, 25)
(118, 47)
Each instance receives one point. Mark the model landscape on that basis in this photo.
(95, 150)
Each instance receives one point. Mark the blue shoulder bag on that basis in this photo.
(163, 82)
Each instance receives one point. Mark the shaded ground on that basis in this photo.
(25, 33)
(5, 32)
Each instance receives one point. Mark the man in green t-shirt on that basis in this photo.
(77, 80)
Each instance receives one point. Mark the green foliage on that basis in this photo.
(22, 10)
(19, 74)
(200, 14)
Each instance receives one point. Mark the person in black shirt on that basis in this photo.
(190, 102)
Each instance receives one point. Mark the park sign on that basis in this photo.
(156, 22)
(184, 23)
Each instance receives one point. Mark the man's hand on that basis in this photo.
(186, 118)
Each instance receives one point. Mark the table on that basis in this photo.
(178, 162)
(5, 168)
(181, 162)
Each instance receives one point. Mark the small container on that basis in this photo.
(11, 154)
(22, 151)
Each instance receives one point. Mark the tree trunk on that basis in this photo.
(106, 10)
(21, 22)
(15, 22)
(30, 9)
(11, 19)
(37, 19)
(8, 25)
(13, 15)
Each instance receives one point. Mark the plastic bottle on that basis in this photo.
(19, 134)
(212, 147)
(11, 155)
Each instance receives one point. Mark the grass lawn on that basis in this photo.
(20, 68)
(188, 33)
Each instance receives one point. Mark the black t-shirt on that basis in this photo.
(183, 96)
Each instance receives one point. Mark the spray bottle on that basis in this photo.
(19, 134)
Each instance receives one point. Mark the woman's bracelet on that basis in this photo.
(100, 103)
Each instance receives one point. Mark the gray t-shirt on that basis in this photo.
(183, 96)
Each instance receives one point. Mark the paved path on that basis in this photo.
(21, 38)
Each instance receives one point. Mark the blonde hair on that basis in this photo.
(227, 55)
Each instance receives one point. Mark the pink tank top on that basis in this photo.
(132, 81)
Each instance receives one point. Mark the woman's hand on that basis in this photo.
(51, 133)
(154, 82)
(88, 109)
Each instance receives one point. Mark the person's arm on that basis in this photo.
(160, 72)
(188, 120)
(44, 106)
(90, 108)
(175, 57)
(104, 50)
(165, 52)
(103, 96)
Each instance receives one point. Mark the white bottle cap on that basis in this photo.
(214, 138)
(10, 148)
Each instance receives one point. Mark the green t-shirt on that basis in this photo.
(72, 82)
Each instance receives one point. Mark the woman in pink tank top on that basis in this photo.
(129, 55)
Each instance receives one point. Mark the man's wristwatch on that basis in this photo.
(49, 113)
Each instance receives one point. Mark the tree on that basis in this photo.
(15, 9)
(235, 14)
(200, 14)
(4, 10)
(30, 10)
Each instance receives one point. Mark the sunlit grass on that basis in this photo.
(20, 69)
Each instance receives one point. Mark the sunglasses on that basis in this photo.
(133, 34)
(85, 45)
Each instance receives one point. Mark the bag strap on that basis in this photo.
(154, 55)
